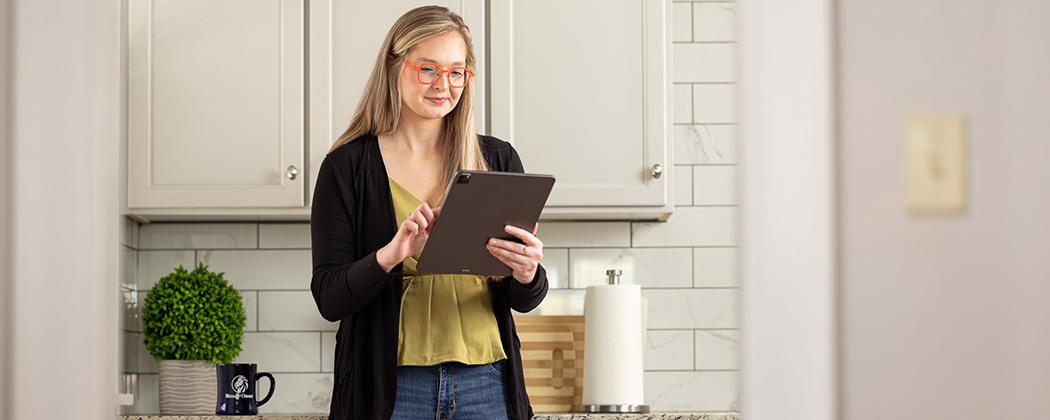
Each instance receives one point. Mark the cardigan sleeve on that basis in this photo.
(341, 284)
(523, 298)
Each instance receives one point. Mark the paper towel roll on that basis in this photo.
(612, 372)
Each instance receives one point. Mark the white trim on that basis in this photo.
(5, 216)
(787, 223)
(63, 219)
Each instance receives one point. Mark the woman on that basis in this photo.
(415, 345)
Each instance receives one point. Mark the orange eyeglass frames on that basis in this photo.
(429, 73)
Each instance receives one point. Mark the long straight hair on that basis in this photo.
(380, 108)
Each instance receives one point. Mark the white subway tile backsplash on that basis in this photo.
(284, 235)
(714, 185)
(692, 391)
(262, 269)
(297, 393)
(291, 311)
(683, 22)
(683, 185)
(584, 234)
(147, 395)
(250, 301)
(705, 144)
(282, 351)
(153, 265)
(717, 349)
(669, 350)
(129, 233)
(649, 267)
(327, 352)
(689, 226)
(714, 22)
(691, 308)
(556, 262)
(714, 267)
(198, 236)
(683, 104)
(703, 63)
(138, 359)
(560, 302)
(714, 103)
(129, 261)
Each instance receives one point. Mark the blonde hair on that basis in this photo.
(380, 107)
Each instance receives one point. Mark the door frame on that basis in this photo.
(788, 224)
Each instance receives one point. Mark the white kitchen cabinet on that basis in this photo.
(226, 100)
(215, 104)
(581, 88)
(232, 105)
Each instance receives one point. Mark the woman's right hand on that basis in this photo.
(410, 238)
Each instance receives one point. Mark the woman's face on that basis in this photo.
(437, 99)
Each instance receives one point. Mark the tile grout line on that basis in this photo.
(692, 253)
(692, 22)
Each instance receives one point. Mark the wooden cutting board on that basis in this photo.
(552, 358)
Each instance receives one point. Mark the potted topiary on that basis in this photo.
(191, 321)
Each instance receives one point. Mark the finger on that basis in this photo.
(536, 228)
(428, 213)
(419, 219)
(524, 235)
(507, 259)
(437, 211)
(535, 253)
(410, 227)
(511, 256)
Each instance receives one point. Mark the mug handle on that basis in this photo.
(273, 385)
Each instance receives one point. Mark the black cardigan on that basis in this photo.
(352, 217)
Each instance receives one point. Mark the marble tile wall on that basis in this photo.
(685, 266)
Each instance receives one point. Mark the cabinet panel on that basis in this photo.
(215, 103)
(585, 99)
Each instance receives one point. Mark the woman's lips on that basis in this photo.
(437, 101)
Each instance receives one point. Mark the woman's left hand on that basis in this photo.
(522, 259)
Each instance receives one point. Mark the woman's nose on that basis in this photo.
(442, 81)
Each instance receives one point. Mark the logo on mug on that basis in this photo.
(239, 384)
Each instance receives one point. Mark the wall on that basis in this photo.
(685, 265)
(945, 317)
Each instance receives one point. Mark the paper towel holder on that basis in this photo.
(616, 408)
(614, 279)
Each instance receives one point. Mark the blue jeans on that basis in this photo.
(450, 390)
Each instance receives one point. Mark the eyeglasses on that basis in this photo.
(429, 73)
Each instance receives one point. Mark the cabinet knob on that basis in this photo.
(657, 171)
(292, 172)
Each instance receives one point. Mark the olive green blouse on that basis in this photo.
(444, 317)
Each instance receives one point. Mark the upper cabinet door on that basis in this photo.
(581, 89)
(216, 103)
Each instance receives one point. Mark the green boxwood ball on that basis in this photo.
(193, 315)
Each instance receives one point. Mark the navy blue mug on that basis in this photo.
(236, 385)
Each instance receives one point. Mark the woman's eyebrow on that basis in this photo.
(458, 63)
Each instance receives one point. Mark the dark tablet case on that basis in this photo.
(477, 210)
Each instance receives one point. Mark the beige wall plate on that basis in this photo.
(935, 164)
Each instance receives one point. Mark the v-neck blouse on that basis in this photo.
(444, 317)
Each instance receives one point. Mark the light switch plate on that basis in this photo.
(935, 164)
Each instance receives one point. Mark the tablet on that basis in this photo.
(476, 207)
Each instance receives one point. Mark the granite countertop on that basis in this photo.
(566, 416)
